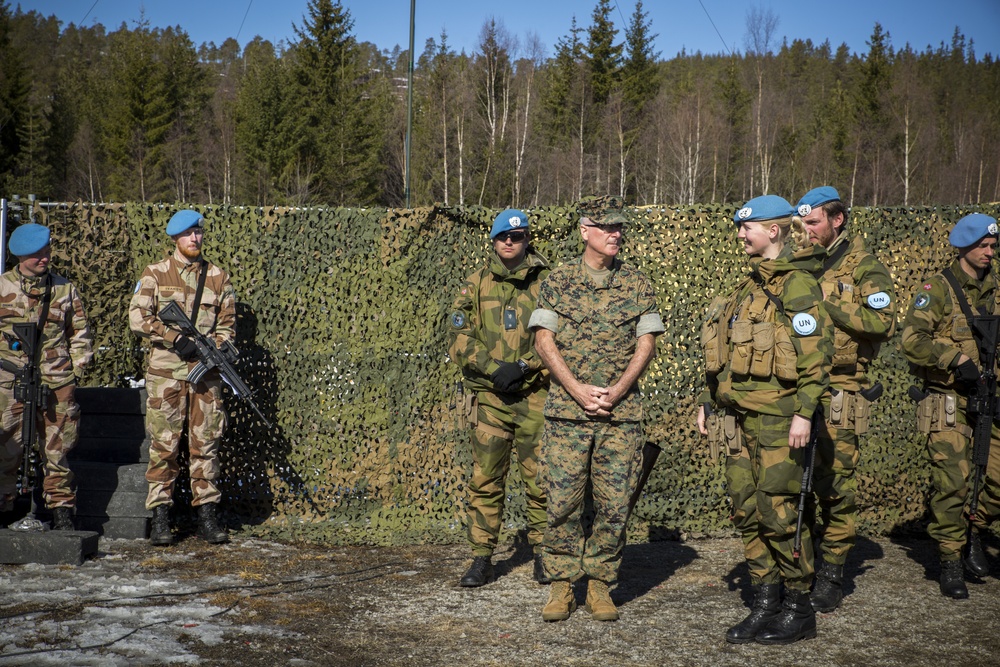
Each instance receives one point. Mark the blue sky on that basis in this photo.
(706, 25)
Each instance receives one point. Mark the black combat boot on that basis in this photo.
(975, 557)
(62, 518)
(539, 573)
(796, 621)
(479, 573)
(208, 525)
(766, 605)
(159, 527)
(828, 590)
(953, 580)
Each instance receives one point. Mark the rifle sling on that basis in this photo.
(40, 324)
(835, 257)
(202, 272)
(963, 303)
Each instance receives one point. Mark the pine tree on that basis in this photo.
(604, 56)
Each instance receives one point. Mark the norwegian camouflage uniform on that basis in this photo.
(935, 334)
(489, 324)
(65, 352)
(762, 370)
(596, 328)
(171, 399)
(861, 301)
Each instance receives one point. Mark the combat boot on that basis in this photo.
(796, 621)
(62, 518)
(975, 557)
(208, 525)
(561, 602)
(828, 590)
(539, 571)
(766, 605)
(478, 574)
(159, 527)
(599, 602)
(953, 580)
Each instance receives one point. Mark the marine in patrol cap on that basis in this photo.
(28, 239)
(816, 197)
(967, 231)
(766, 207)
(603, 210)
(181, 221)
(509, 220)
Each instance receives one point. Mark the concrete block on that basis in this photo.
(95, 476)
(111, 450)
(110, 400)
(48, 547)
(115, 527)
(112, 503)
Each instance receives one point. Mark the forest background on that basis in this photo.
(143, 114)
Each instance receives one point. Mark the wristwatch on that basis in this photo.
(523, 365)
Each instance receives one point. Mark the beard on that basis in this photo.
(190, 253)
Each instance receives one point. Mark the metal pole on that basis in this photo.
(409, 104)
(3, 235)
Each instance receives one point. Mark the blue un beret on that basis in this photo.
(816, 197)
(181, 221)
(510, 219)
(28, 239)
(970, 229)
(766, 207)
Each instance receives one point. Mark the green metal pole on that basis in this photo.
(409, 104)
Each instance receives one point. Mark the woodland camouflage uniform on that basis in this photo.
(763, 389)
(596, 328)
(65, 352)
(861, 301)
(935, 334)
(171, 399)
(481, 336)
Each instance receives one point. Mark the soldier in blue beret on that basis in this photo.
(859, 296)
(943, 348)
(31, 293)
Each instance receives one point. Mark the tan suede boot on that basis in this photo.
(561, 602)
(599, 602)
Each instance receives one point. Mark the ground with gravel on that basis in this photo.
(254, 602)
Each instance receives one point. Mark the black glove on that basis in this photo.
(967, 373)
(185, 348)
(509, 377)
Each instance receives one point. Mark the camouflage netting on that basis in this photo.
(342, 324)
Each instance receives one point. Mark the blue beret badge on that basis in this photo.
(922, 301)
(804, 324)
(804, 210)
(744, 213)
(878, 301)
(457, 320)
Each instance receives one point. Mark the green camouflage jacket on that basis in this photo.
(176, 279)
(936, 332)
(861, 301)
(482, 335)
(596, 329)
(66, 337)
(805, 326)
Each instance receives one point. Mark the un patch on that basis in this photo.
(457, 320)
(879, 300)
(804, 324)
(922, 301)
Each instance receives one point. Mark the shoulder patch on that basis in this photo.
(922, 301)
(804, 324)
(927, 285)
(457, 320)
(879, 300)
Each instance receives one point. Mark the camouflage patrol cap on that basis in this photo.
(603, 210)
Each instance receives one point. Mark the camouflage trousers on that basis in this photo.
(763, 482)
(950, 454)
(169, 404)
(835, 486)
(609, 456)
(521, 422)
(60, 423)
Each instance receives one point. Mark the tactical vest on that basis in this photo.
(953, 331)
(750, 336)
(848, 350)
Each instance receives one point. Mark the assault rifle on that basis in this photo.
(29, 391)
(807, 476)
(210, 356)
(982, 403)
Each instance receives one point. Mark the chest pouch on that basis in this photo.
(714, 341)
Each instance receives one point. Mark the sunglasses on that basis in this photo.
(608, 229)
(514, 237)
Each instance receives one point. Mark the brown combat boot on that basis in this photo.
(561, 602)
(599, 602)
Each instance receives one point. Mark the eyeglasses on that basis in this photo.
(513, 237)
(607, 229)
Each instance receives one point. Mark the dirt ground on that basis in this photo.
(254, 602)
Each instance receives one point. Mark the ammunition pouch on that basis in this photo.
(938, 412)
(468, 410)
(714, 342)
(850, 411)
(472, 420)
(725, 435)
(763, 349)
